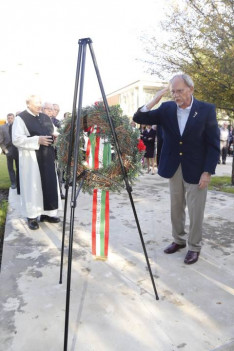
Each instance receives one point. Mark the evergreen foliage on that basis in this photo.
(200, 43)
(108, 177)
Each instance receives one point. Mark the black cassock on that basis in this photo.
(42, 125)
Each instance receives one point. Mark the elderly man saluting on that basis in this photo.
(189, 156)
(32, 134)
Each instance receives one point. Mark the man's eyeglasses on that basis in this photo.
(177, 92)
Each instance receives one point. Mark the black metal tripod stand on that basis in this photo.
(74, 147)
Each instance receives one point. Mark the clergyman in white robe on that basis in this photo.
(33, 181)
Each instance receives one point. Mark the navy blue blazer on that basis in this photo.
(197, 149)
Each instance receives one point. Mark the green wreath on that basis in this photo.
(108, 177)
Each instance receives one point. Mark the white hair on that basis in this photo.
(186, 78)
(31, 97)
(47, 104)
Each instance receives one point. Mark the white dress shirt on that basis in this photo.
(182, 116)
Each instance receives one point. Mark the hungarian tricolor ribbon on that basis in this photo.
(98, 155)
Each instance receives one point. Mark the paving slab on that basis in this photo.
(112, 304)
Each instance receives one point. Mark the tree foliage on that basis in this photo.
(200, 43)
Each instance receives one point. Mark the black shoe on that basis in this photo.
(63, 196)
(49, 219)
(191, 257)
(224, 162)
(13, 186)
(173, 248)
(33, 224)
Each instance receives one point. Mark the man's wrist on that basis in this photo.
(144, 109)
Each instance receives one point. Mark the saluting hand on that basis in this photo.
(157, 97)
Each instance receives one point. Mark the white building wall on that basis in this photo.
(135, 95)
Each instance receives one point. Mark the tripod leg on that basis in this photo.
(71, 142)
(63, 236)
(128, 187)
(143, 245)
(82, 46)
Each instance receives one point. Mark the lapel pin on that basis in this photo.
(195, 113)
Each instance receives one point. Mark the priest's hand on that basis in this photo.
(55, 136)
(45, 140)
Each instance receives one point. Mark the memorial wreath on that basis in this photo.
(94, 119)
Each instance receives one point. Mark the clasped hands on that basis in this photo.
(46, 140)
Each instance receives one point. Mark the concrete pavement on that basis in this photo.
(112, 306)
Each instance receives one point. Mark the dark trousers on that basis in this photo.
(13, 173)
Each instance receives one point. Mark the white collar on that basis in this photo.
(29, 111)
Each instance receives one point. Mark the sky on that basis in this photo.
(39, 47)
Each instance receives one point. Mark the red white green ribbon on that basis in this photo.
(98, 154)
(100, 223)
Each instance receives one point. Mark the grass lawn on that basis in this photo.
(221, 184)
(3, 212)
(4, 176)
